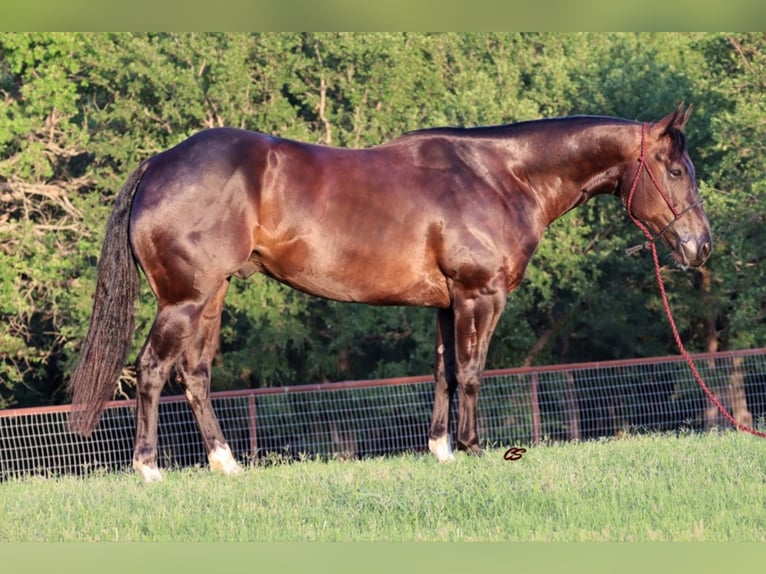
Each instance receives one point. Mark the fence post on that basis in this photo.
(252, 426)
(535, 410)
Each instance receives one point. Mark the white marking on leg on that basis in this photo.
(222, 460)
(149, 473)
(441, 448)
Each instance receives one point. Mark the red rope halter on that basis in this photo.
(642, 164)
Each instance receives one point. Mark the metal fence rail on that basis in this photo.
(367, 418)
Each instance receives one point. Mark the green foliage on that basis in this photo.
(78, 112)
(736, 167)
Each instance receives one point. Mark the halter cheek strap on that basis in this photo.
(652, 239)
(643, 165)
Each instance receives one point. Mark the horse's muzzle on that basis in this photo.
(694, 251)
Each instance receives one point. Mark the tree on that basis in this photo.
(80, 111)
(735, 188)
(43, 241)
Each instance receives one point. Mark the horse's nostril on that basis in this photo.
(695, 252)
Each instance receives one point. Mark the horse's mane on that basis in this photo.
(677, 137)
(506, 129)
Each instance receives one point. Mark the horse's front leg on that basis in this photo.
(476, 316)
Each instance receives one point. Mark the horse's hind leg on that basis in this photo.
(172, 328)
(446, 382)
(194, 368)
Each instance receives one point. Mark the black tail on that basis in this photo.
(111, 325)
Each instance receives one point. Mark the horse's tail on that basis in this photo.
(110, 331)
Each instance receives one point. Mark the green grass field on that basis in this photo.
(640, 488)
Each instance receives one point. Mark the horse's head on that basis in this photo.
(663, 198)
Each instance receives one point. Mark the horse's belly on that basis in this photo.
(340, 277)
(424, 294)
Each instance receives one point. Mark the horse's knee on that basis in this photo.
(469, 383)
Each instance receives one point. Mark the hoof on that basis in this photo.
(472, 449)
(221, 460)
(441, 449)
(149, 473)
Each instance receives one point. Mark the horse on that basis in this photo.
(446, 218)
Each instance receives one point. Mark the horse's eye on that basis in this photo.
(675, 172)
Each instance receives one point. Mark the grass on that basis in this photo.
(640, 488)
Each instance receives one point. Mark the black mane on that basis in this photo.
(501, 130)
(677, 137)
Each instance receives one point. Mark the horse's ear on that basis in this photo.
(675, 120)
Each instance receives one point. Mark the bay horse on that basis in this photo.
(446, 218)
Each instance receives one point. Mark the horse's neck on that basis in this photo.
(568, 170)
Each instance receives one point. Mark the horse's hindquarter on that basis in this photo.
(189, 225)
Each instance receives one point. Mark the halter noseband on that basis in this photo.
(676, 214)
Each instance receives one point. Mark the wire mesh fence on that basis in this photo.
(369, 418)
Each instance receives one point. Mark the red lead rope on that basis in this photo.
(651, 243)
